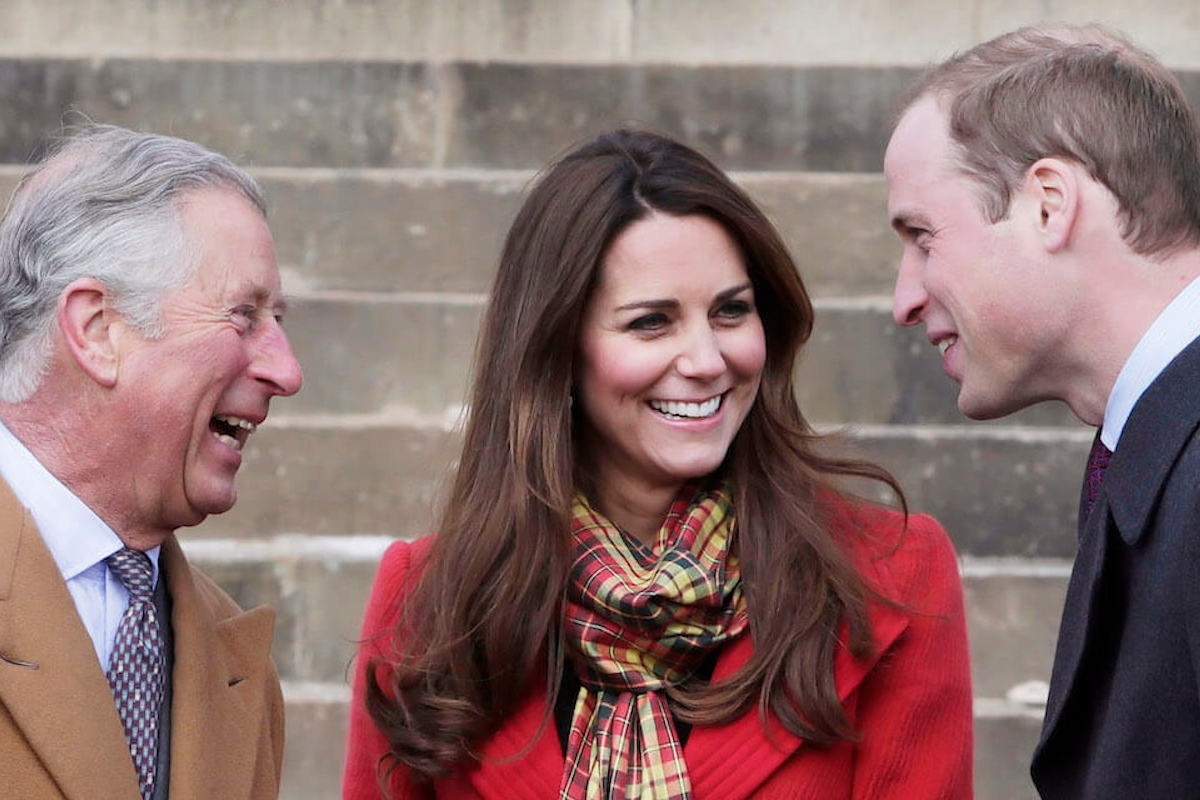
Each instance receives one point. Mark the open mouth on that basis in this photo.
(946, 343)
(679, 409)
(230, 430)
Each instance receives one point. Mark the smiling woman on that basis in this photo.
(645, 545)
(670, 353)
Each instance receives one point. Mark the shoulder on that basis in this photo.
(399, 570)
(909, 559)
(404, 561)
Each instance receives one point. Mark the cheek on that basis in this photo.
(616, 370)
(746, 353)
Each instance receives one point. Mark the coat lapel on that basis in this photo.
(758, 751)
(1077, 613)
(217, 707)
(50, 679)
(1162, 422)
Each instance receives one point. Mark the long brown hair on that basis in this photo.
(485, 616)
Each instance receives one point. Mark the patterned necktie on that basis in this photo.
(136, 667)
(1097, 462)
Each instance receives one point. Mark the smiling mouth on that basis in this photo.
(946, 343)
(230, 430)
(678, 409)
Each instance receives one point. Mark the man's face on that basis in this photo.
(978, 287)
(191, 398)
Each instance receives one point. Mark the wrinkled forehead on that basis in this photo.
(233, 244)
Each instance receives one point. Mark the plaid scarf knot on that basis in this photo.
(640, 620)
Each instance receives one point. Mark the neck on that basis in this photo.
(1126, 303)
(635, 506)
(68, 446)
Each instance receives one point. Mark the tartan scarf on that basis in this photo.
(639, 620)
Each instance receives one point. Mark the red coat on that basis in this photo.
(910, 701)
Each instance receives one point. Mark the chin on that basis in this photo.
(214, 503)
(985, 408)
(696, 470)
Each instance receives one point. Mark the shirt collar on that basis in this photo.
(1174, 329)
(74, 535)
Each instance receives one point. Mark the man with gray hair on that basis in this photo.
(1046, 188)
(140, 345)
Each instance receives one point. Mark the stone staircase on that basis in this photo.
(394, 140)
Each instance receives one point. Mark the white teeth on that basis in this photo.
(944, 344)
(237, 422)
(689, 410)
(229, 440)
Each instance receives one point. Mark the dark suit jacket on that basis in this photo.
(60, 735)
(1123, 717)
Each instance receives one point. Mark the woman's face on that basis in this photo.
(671, 350)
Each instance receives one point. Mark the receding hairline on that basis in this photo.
(962, 71)
(83, 148)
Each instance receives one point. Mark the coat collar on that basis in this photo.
(1160, 425)
(50, 679)
(523, 759)
(221, 666)
(56, 691)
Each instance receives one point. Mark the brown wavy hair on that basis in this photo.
(485, 616)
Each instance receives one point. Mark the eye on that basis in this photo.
(649, 322)
(245, 317)
(920, 237)
(734, 309)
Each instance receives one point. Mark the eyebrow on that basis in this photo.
(721, 297)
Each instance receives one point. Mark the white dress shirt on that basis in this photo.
(78, 540)
(1176, 327)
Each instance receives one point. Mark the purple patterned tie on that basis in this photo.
(1097, 463)
(135, 669)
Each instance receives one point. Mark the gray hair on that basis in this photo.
(105, 204)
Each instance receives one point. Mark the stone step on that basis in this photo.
(417, 114)
(1000, 491)
(858, 31)
(1013, 610)
(316, 736)
(465, 114)
(441, 231)
(367, 353)
(319, 585)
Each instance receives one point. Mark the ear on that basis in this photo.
(1054, 187)
(88, 323)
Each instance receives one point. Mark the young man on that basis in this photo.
(1046, 187)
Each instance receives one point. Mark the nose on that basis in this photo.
(909, 297)
(274, 363)
(701, 356)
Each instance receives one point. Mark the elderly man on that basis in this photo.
(1046, 188)
(140, 345)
